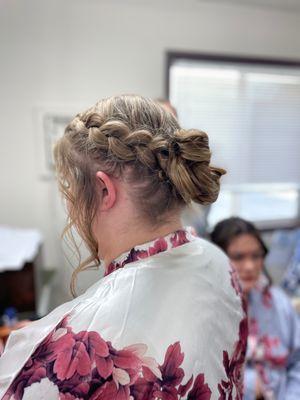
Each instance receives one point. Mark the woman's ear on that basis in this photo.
(107, 191)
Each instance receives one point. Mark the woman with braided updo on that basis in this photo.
(166, 322)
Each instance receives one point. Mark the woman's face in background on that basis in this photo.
(247, 256)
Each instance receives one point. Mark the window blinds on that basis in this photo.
(251, 114)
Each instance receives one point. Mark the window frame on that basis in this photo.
(219, 58)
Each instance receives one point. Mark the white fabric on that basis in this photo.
(184, 294)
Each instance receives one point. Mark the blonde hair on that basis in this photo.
(137, 139)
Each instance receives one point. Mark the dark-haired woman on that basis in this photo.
(273, 354)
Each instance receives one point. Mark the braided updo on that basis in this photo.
(134, 138)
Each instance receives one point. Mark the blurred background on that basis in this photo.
(229, 67)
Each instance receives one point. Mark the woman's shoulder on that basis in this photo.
(218, 266)
(202, 253)
(214, 253)
(280, 305)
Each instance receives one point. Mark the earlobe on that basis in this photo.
(108, 190)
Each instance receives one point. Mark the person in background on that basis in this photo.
(166, 104)
(166, 322)
(273, 353)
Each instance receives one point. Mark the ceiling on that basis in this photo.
(287, 5)
(281, 5)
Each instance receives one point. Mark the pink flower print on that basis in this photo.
(120, 377)
(234, 366)
(158, 246)
(44, 351)
(150, 386)
(82, 365)
(111, 268)
(37, 371)
(62, 354)
(200, 390)
(128, 361)
(109, 391)
(125, 359)
(235, 281)
(73, 353)
(34, 371)
(167, 393)
(98, 352)
(268, 353)
(267, 298)
(71, 361)
(266, 350)
(262, 373)
(179, 238)
(104, 366)
(172, 374)
(182, 390)
(136, 255)
(253, 327)
(78, 386)
(148, 363)
(144, 389)
(68, 396)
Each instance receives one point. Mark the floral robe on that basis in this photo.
(273, 352)
(166, 322)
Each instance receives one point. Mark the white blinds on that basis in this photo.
(251, 113)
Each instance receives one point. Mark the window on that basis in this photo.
(251, 111)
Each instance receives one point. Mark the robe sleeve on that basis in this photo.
(293, 367)
(249, 383)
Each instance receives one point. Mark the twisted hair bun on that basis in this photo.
(189, 167)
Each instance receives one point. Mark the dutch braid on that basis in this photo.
(183, 158)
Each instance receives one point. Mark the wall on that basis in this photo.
(71, 53)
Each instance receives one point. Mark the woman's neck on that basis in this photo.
(116, 243)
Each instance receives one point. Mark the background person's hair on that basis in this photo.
(134, 138)
(166, 104)
(229, 229)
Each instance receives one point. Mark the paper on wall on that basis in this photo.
(17, 246)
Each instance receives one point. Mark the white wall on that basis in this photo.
(71, 53)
